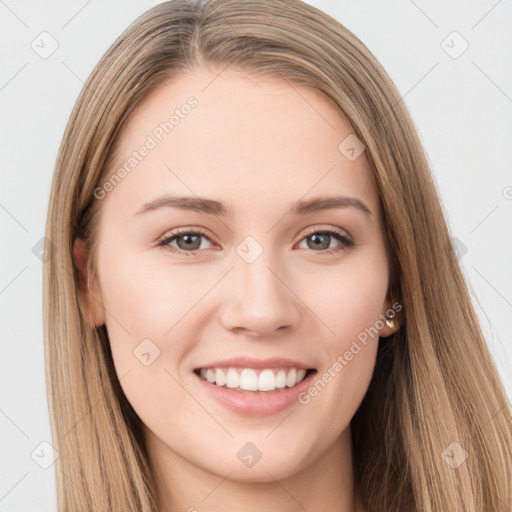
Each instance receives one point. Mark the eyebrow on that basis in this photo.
(213, 207)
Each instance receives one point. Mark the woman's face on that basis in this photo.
(261, 278)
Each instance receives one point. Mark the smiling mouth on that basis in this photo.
(254, 380)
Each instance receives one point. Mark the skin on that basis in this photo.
(258, 146)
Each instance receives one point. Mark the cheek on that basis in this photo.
(347, 298)
(147, 324)
(148, 299)
(142, 309)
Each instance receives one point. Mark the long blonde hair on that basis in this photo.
(434, 383)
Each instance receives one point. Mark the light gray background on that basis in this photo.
(461, 106)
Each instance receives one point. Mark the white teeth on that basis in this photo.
(292, 378)
(266, 381)
(220, 378)
(232, 379)
(281, 379)
(249, 380)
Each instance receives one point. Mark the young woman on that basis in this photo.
(254, 303)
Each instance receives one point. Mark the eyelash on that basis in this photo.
(346, 243)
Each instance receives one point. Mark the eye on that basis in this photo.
(189, 241)
(321, 239)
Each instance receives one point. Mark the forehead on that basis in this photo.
(225, 134)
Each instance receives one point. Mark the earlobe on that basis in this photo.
(89, 292)
(391, 320)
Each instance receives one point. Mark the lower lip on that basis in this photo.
(252, 403)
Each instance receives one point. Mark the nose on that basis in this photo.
(260, 300)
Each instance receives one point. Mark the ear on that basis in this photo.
(90, 297)
(391, 312)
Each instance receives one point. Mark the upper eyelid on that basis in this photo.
(321, 228)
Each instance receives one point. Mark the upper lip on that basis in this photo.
(248, 362)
